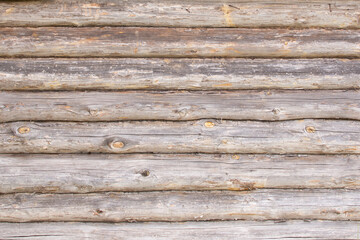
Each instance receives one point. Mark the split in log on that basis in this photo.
(184, 13)
(203, 136)
(124, 172)
(243, 105)
(272, 204)
(178, 42)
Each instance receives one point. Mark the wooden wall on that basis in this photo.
(179, 119)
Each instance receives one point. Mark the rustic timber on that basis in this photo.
(229, 230)
(272, 204)
(243, 105)
(176, 13)
(118, 172)
(206, 136)
(177, 42)
(173, 74)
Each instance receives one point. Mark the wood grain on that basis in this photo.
(274, 204)
(178, 42)
(101, 173)
(203, 136)
(199, 13)
(229, 230)
(243, 105)
(174, 74)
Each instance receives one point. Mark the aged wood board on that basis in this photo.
(264, 204)
(188, 13)
(178, 42)
(151, 172)
(202, 136)
(228, 230)
(177, 73)
(268, 105)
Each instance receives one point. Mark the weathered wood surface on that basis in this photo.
(200, 13)
(172, 74)
(243, 105)
(228, 230)
(177, 42)
(101, 173)
(272, 204)
(206, 136)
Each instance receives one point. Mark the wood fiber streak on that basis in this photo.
(274, 204)
(151, 172)
(203, 136)
(178, 42)
(185, 13)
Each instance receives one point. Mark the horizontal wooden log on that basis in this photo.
(243, 105)
(199, 13)
(228, 230)
(274, 204)
(204, 136)
(172, 74)
(177, 42)
(101, 173)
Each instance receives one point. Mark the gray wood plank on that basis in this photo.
(203, 136)
(123, 172)
(172, 74)
(273, 204)
(243, 105)
(199, 13)
(229, 230)
(178, 42)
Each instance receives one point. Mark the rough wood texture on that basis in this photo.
(100, 173)
(267, 230)
(274, 204)
(200, 13)
(206, 136)
(177, 42)
(243, 105)
(165, 74)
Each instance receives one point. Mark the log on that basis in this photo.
(272, 204)
(243, 105)
(203, 136)
(229, 230)
(199, 13)
(173, 74)
(178, 42)
(113, 173)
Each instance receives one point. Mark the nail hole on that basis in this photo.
(145, 173)
(23, 130)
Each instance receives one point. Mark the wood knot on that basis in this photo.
(235, 157)
(209, 124)
(145, 173)
(23, 130)
(117, 144)
(310, 129)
